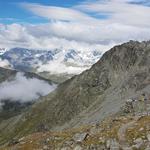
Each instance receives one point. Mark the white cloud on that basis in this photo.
(24, 89)
(121, 11)
(4, 63)
(59, 13)
(51, 36)
(76, 28)
(56, 67)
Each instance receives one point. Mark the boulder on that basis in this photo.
(78, 147)
(14, 141)
(97, 147)
(94, 130)
(65, 148)
(45, 147)
(80, 137)
(138, 143)
(148, 137)
(112, 144)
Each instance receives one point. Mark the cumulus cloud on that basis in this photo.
(24, 89)
(81, 26)
(52, 35)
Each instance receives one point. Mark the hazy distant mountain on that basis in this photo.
(51, 62)
(25, 59)
(2, 51)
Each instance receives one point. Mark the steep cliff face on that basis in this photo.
(121, 73)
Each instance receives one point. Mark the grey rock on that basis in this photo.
(94, 130)
(21, 139)
(147, 146)
(148, 137)
(65, 148)
(139, 140)
(108, 143)
(141, 129)
(97, 147)
(71, 142)
(128, 107)
(138, 143)
(102, 140)
(58, 138)
(79, 137)
(112, 144)
(78, 147)
(14, 141)
(45, 147)
(126, 148)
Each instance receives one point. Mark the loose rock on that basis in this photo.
(79, 137)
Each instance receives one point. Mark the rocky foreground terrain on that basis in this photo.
(113, 133)
(127, 130)
(86, 111)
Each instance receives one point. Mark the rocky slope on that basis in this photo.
(116, 133)
(122, 73)
(6, 74)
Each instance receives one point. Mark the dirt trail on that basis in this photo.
(122, 133)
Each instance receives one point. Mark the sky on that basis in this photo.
(72, 24)
(11, 12)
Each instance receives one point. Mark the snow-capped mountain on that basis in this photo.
(55, 61)
(25, 59)
(2, 51)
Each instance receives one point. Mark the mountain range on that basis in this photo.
(90, 109)
(95, 94)
(50, 63)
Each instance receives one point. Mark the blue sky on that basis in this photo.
(73, 24)
(10, 10)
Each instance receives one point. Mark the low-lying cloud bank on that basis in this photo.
(4, 63)
(24, 89)
(60, 68)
